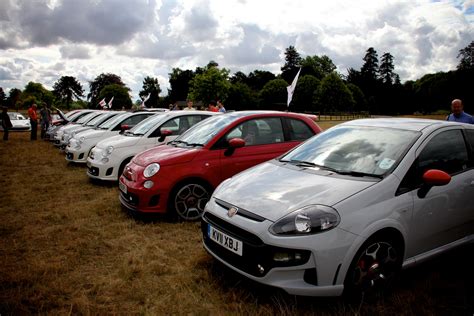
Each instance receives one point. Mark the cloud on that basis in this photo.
(74, 52)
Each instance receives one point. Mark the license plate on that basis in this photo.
(225, 240)
(122, 187)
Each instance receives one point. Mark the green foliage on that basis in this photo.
(35, 93)
(2, 96)
(150, 87)
(304, 92)
(292, 64)
(467, 57)
(274, 95)
(257, 79)
(333, 95)
(96, 86)
(371, 64)
(386, 69)
(67, 88)
(360, 102)
(79, 104)
(120, 95)
(179, 83)
(241, 97)
(212, 84)
(13, 97)
(317, 66)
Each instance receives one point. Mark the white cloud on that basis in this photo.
(139, 38)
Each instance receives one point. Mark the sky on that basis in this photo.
(42, 40)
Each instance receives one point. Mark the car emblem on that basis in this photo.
(232, 211)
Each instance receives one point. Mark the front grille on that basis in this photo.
(93, 171)
(257, 258)
(131, 198)
(241, 211)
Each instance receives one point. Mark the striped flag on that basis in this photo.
(291, 88)
(102, 103)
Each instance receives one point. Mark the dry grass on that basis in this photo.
(67, 247)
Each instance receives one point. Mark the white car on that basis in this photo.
(151, 132)
(19, 122)
(78, 118)
(102, 117)
(81, 144)
(346, 210)
(82, 122)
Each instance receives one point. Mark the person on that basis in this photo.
(33, 121)
(45, 119)
(212, 107)
(221, 107)
(6, 122)
(458, 114)
(189, 106)
(175, 107)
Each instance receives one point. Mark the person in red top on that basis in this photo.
(33, 121)
(212, 107)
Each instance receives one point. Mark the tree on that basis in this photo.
(210, 85)
(66, 88)
(179, 83)
(333, 95)
(241, 97)
(386, 69)
(150, 87)
(96, 86)
(360, 102)
(257, 79)
(239, 76)
(316, 66)
(370, 67)
(274, 95)
(120, 95)
(304, 92)
(35, 93)
(467, 57)
(13, 97)
(2, 96)
(292, 63)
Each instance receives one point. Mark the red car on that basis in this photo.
(181, 175)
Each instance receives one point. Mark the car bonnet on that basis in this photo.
(273, 191)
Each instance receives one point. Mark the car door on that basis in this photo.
(440, 217)
(264, 139)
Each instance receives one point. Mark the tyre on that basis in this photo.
(189, 199)
(374, 268)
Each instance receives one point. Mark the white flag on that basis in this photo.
(291, 88)
(102, 103)
(109, 105)
(143, 106)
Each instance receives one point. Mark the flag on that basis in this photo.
(109, 105)
(102, 103)
(143, 106)
(291, 88)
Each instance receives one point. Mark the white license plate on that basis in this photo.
(225, 240)
(122, 187)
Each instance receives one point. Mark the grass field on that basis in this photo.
(67, 247)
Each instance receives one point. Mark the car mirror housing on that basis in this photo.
(123, 128)
(234, 143)
(163, 134)
(431, 178)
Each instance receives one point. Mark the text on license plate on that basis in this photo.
(225, 240)
(122, 187)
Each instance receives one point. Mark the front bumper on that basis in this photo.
(318, 276)
(74, 155)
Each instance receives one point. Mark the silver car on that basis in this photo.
(347, 209)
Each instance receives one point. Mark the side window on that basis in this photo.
(298, 130)
(178, 125)
(132, 120)
(259, 131)
(446, 151)
(470, 138)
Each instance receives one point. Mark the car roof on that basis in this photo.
(262, 113)
(412, 124)
(181, 113)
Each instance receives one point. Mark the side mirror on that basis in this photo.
(123, 128)
(234, 143)
(164, 133)
(432, 178)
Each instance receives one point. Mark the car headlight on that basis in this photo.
(151, 170)
(108, 151)
(311, 219)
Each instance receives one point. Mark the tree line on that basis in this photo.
(374, 88)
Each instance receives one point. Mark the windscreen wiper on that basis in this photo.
(359, 174)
